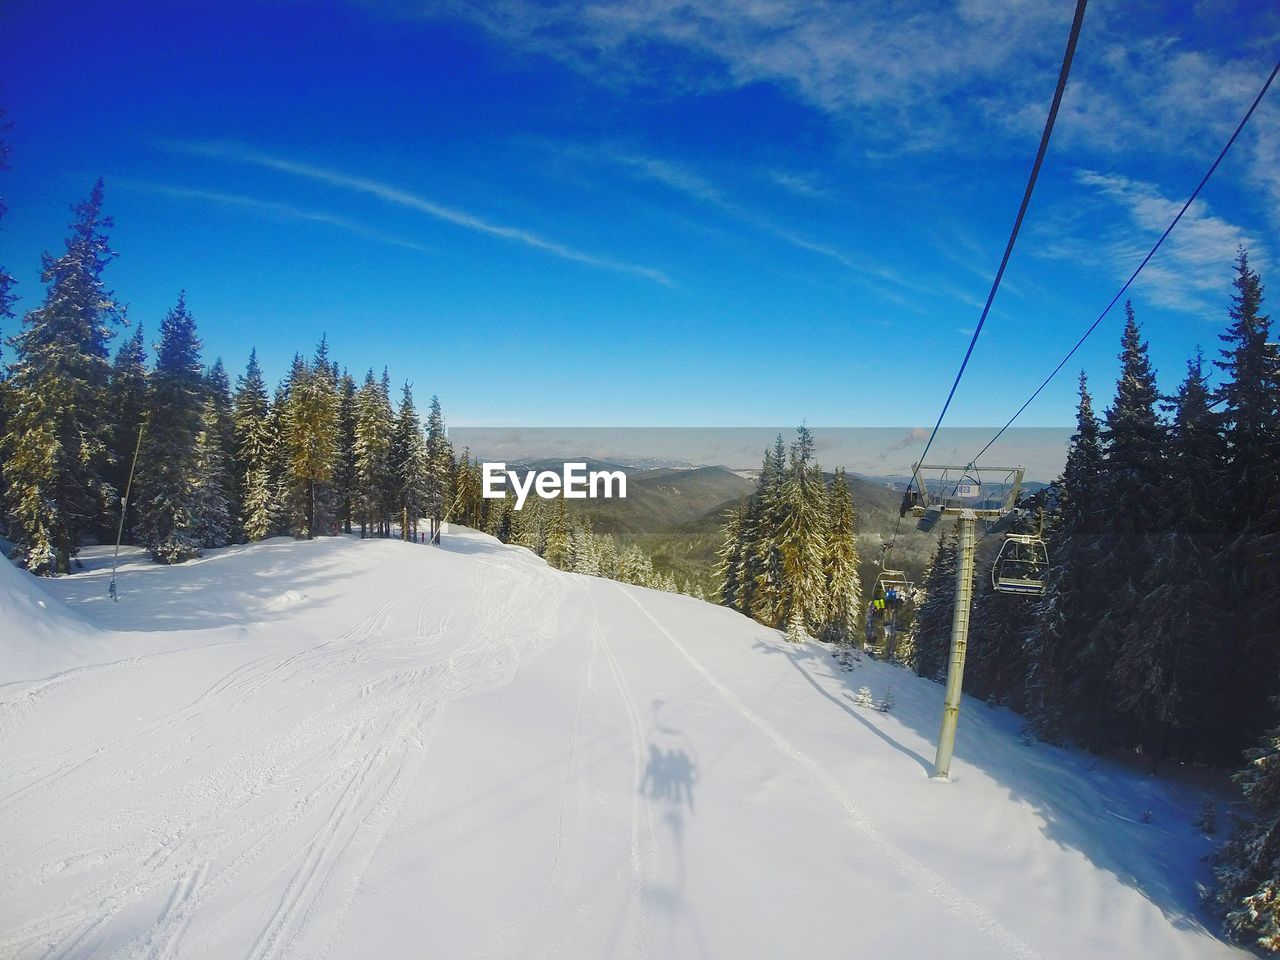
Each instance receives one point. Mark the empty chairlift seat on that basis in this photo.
(1021, 566)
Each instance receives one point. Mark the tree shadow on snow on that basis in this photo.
(1089, 804)
(847, 704)
(237, 585)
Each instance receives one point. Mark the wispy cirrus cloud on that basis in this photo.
(699, 187)
(1191, 272)
(389, 193)
(912, 62)
(272, 208)
(675, 176)
(898, 76)
(800, 184)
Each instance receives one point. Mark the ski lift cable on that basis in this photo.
(1017, 223)
(1050, 120)
(1145, 260)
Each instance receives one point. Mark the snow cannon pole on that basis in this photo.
(959, 642)
(124, 507)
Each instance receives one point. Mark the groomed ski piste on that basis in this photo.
(372, 749)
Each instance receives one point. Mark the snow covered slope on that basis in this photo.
(373, 749)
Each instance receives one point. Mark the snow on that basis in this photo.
(348, 748)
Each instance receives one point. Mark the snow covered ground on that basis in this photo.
(362, 749)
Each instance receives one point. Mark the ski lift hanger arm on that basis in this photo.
(967, 468)
(926, 501)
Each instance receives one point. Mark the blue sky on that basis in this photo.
(651, 212)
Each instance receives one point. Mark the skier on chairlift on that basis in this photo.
(909, 500)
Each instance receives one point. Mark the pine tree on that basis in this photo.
(634, 567)
(1162, 670)
(389, 485)
(1073, 597)
(127, 398)
(310, 439)
(1132, 481)
(373, 454)
(167, 462)
(608, 555)
(466, 506)
(409, 451)
(1251, 400)
(557, 548)
(344, 476)
(1250, 591)
(259, 503)
(768, 576)
(931, 639)
(210, 521)
(327, 506)
(54, 450)
(843, 600)
(218, 388)
(802, 541)
(439, 465)
(500, 520)
(255, 441)
(286, 506)
(729, 565)
(753, 553)
(1134, 438)
(1248, 866)
(584, 548)
(524, 527)
(290, 491)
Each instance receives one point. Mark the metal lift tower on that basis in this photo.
(960, 492)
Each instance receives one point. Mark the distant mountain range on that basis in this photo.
(629, 464)
(677, 514)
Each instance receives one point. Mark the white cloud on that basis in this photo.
(273, 209)
(239, 153)
(1191, 271)
(676, 177)
(801, 184)
(923, 68)
(965, 75)
(697, 186)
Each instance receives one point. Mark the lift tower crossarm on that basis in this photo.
(956, 473)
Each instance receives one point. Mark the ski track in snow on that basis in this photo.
(369, 744)
(938, 887)
(542, 939)
(644, 868)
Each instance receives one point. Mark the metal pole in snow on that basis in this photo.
(965, 525)
(124, 506)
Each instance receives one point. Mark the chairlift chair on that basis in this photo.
(894, 580)
(1021, 565)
